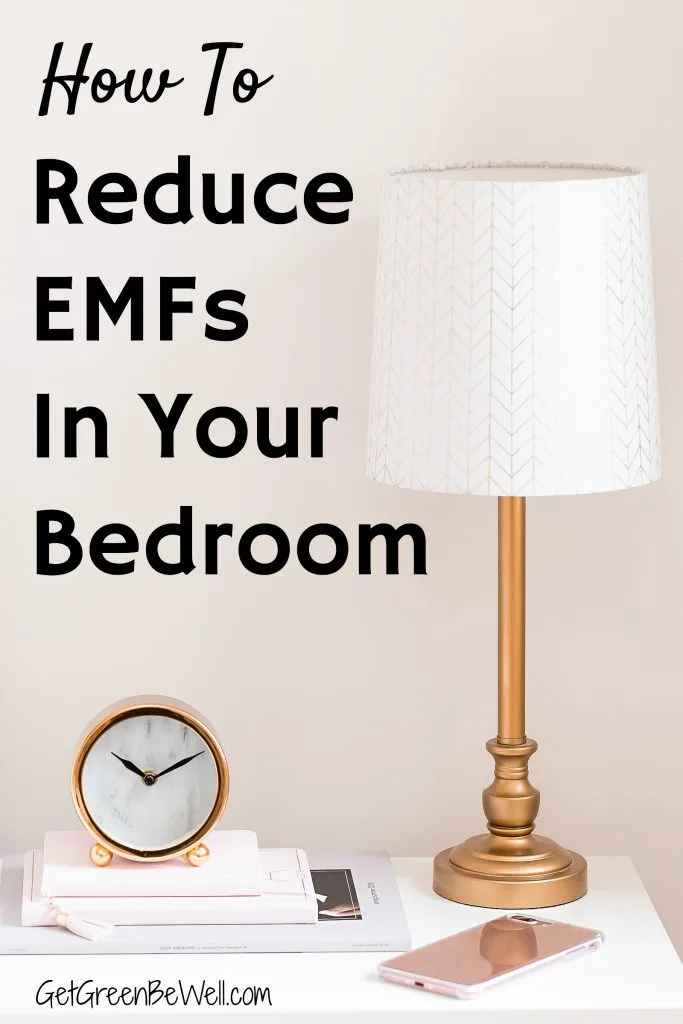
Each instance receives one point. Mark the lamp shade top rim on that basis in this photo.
(506, 171)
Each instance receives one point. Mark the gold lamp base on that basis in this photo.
(510, 868)
(483, 872)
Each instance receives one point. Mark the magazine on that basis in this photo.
(361, 912)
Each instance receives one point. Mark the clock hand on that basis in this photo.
(129, 765)
(178, 764)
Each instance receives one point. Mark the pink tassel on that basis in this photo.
(92, 930)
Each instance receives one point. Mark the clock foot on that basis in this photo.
(197, 856)
(100, 856)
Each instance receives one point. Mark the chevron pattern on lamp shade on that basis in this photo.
(514, 349)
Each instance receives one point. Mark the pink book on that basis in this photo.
(287, 898)
(232, 869)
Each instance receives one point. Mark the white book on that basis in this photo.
(232, 869)
(287, 897)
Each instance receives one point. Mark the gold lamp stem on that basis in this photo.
(511, 618)
(509, 867)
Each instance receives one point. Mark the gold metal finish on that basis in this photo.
(510, 868)
(100, 856)
(511, 618)
(198, 856)
(151, 704)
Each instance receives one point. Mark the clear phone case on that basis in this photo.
(470, 962)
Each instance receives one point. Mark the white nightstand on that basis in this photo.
(636, 975)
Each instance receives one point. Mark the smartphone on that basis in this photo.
(470, 962)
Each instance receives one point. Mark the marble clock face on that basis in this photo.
(149, 782)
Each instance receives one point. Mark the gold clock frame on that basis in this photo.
(193, 849)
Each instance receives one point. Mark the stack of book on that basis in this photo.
(243, 899)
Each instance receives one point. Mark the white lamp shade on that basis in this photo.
(514, 349)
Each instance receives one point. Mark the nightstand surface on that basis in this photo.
(635, 976)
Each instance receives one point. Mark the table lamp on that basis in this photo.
(514, 357)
